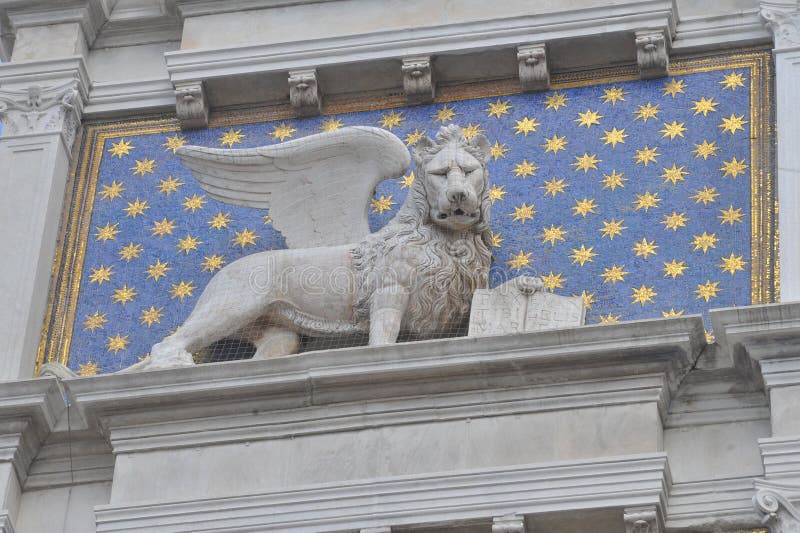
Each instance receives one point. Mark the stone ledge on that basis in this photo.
(107, 99)
(702, 505)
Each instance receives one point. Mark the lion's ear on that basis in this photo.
(481, 143)
(422, 149)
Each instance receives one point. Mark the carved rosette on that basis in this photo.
(418, 79)
(534, 75)
(783, 20)
(642, 520)
(651, 54)
(191, 105)
(775, 503)
(508, 524)
(37, 110)
(304, 92)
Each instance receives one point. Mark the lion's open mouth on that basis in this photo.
(458, 213)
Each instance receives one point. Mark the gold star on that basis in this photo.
(705, 149)
(143, 167)
(194, 203)
(121, 148)
(673, 129)
(708, 290)
(213, 262)
(585, 162)
(643, 295)
(613, 180)
(498, 108)
(706, 195)
(124, 295)
(704, 106)
(614, 137)
(556, 100)
(282, 132)
(646, 155)
(552, 234)
(732, 124)
(245, 237)
(672, 313)
(613, 95)
(188, 244)
(151, 316)
(109, 192)
(584, 207)
(732, 264)
(730, 215)
(674, 87)
(555, 144)
(131, 251)
(553, 281)
(612, 229)
(231, 137)
(496, 193)
(588, 299)
(588, 118)
(498, 150)
(733, 80)
(525, 169)
(413, 138)
(182, 290)
(674, 268)
(379, 205)
(645, 249)
(136, 208)
(174, 142)
(87, 370)
(704, 242)
(157, 270)
(554, 186)
(646, 112)
(331, 124)
(675, 220)
(94, 321)
(709, 335)
(407, 181)
(496, 239)
(614, 274)
(162, 228)
(646, 201)
(674, 174)
(444, 114)
(519, 260)
(101, 274)
(471, 131)
(117, 343)
(523, 213)
(220, 220)
(526, 126)
(107, 232)
(582, 255)
(268, 219)
(169, 185)
(610, 319)
(733, 168)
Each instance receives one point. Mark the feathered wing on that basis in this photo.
(317, 188)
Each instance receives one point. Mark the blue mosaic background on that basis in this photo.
(566, 164)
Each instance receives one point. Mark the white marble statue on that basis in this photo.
(416, 275)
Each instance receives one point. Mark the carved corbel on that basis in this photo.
(776, 505)
(643, 520)
(651, 54)
(533, 72)
(508, 524)
(37, 110)
(191, 105)
(418, 80)
(783, 20)
(304, 92)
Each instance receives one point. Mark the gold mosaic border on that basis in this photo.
(68, 267)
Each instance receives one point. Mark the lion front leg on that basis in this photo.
(386, 313)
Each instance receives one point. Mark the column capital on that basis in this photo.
(42, 109)
(776, 503)
(782, 17)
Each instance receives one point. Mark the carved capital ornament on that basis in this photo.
(37, 110)
(776, 503)
(783, 20)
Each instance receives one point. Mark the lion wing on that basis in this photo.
(317, 188)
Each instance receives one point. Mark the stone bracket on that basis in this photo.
(643, 520)
(651, 54)
(534, 74)
(304, 92)
(508, 524)
(418, 82)
(191, 105)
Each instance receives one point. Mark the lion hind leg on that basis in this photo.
(276, 341)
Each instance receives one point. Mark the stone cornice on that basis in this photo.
(89, 14)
